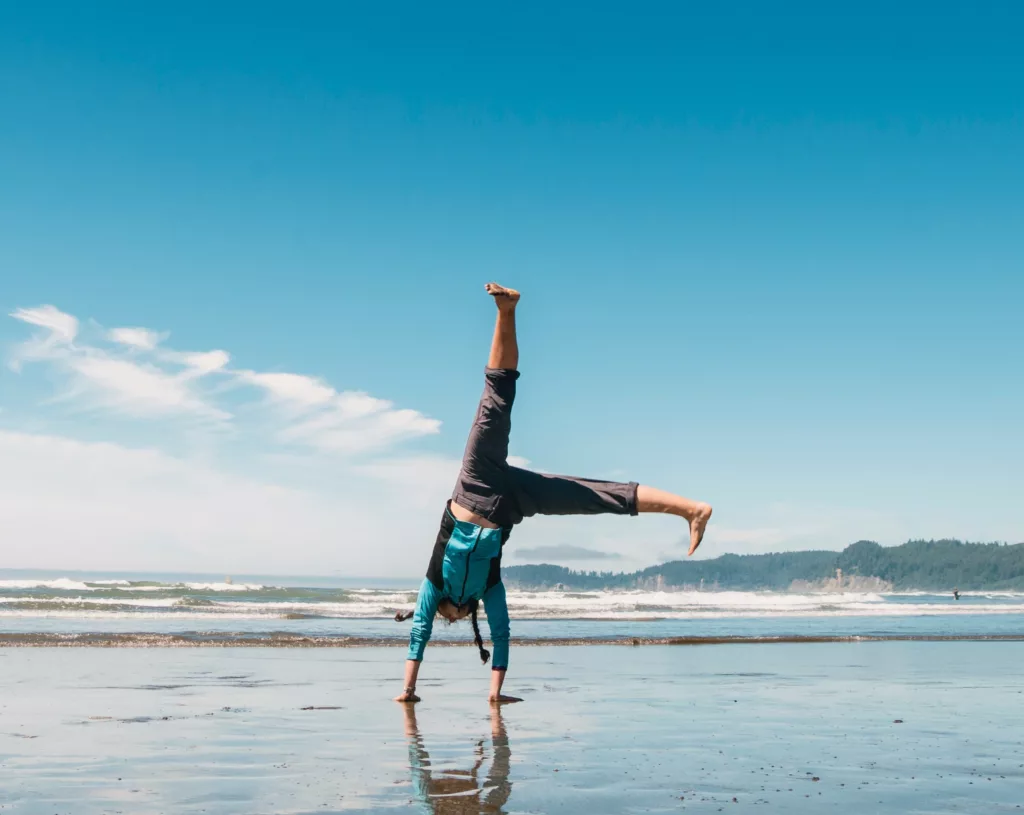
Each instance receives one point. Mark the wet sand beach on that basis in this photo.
(882, 727)
(284, 639)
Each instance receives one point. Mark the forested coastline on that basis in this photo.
(937, 565)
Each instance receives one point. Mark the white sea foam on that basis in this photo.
(385, 597)
(67, 584)
(87, 614)
(686, 600)
(224, 586)
(167, 602)
(60, 584)
(195, 600)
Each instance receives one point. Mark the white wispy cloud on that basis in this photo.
(141, 338)
(140, 389)
(56, 340)
(335, 431)
(200, 363)
(62, 327)
(130, 371)
(104, 376)
(294, 388)
(339, 422)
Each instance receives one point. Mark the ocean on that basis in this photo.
(46, 604)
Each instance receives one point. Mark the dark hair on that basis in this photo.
(472, 605)
(484, 653)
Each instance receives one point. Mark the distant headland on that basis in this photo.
(932, 565)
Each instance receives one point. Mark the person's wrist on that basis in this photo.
(409, 689)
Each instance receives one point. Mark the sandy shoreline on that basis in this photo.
(275, 639)
(885, 727)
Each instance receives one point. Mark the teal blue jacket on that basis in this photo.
(471, 556)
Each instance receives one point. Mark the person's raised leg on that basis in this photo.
(504, 347)
(697, 513)
(482, 479)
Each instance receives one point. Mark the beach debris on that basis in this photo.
(897, 721)
(320, 707)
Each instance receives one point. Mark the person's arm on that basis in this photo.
(422, 627)
(496, 607)
(408, 694)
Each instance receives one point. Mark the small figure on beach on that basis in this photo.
(491, 496)
(956, 594)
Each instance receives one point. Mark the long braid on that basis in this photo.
(484, 653)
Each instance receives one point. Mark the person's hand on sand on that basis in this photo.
(407, 696)
(502, 699)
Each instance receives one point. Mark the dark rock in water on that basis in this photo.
(897, 721)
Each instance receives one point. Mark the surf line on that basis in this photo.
(284, 640)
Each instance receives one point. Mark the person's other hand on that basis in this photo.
(502, 699)
(407, 697)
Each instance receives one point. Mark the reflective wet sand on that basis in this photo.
(883, 727)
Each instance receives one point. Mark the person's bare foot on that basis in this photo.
(698, 523)
(503, 298)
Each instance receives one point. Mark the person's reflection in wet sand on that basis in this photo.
(460, 792)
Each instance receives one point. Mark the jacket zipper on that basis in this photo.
(465, 579)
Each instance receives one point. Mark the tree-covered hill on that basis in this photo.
(935, 565)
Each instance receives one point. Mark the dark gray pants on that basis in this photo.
(503, 494)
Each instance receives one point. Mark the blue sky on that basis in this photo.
(771, 258)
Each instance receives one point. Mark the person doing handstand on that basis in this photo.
(491, 496)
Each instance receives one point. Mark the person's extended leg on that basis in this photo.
(542, 494)
(483, 478)
(697, 513)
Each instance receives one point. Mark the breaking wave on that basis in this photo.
(119, 598)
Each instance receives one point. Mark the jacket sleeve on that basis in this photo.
(423, 619)
(496, 607)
